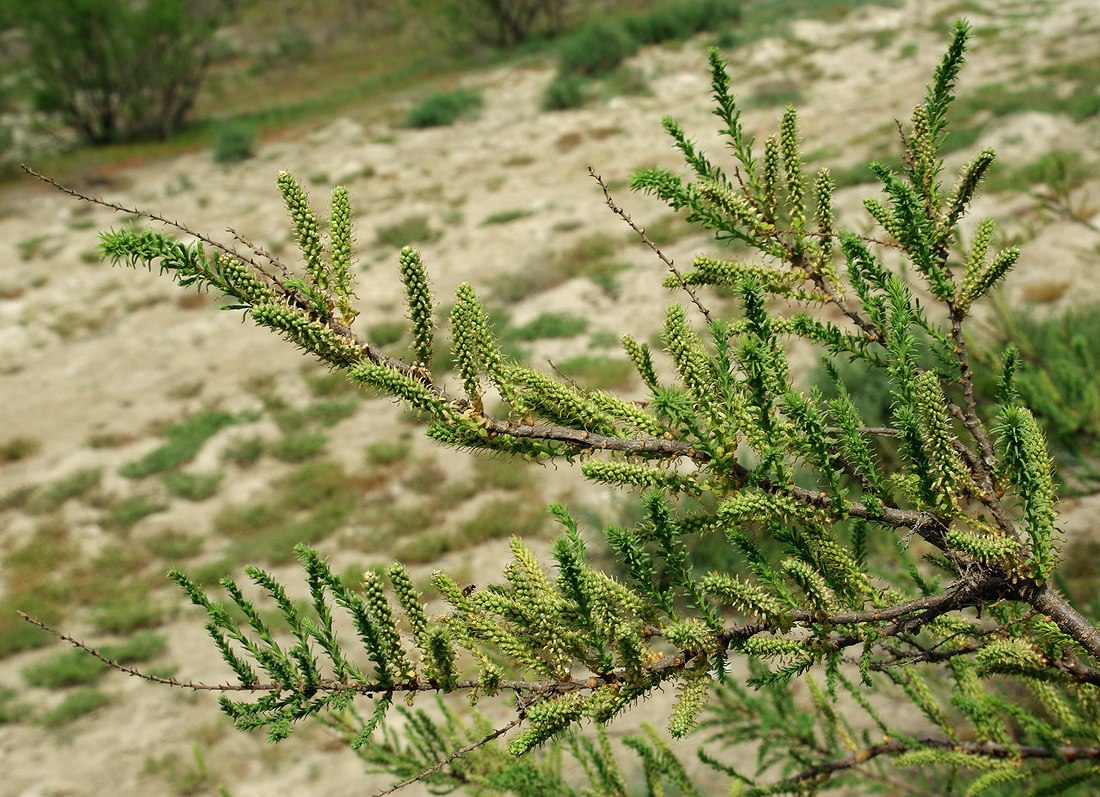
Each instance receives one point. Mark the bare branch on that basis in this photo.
(452, 757)
(821, 772)
(622, 214)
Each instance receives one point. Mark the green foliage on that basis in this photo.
(387, 453)
(547, 325)
(15, 449)
(298, 446)
(185, 439)
(129, 611)
(244, 451)
(10, 711)
(141, 647)
(913, 542)
(70, 668)
(75, 485)
(234, 141)
(414, 229)
(125, 513)
(119, 71)
(681, 20)
(565, 91)
(445, 108)
(73, 706)
(193, 486)
(595, 50)
(505, 23)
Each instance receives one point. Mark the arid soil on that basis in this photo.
(94, 360)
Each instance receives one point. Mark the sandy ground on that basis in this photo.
(87, 350)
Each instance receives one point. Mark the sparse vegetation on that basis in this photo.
(15, 449)
(414, 229)
(267, 537)
(73, 706)
(129, 610)
(193, 486)
(445, 108)
(297, 446)
(506, 216)
(173, 545)
(244, 451)
(75, 485)
(565, 91)
(595, 50)
(387, 333)
(546, 325)
(140, 647)
(387, 453)
(599, 373)
(68, 668)
(234, 141)
(590, 257)
(185, 439)
(128, 511)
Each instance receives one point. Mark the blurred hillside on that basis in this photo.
(145, 429)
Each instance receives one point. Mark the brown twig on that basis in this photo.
(536, 687)
(259, 250)
(823, 771)
(119, 208)
(452, 757)
(622, 214)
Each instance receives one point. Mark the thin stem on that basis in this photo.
(452, 757)
(622, 214)
(820, 772)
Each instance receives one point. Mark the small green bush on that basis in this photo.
(502, 518)
(123, 515)
(17, 635)
(234, 141)
(127, 613)
(141, 647)
(70, 668)
(387, 332)
(330, 413)
(547, 325)
(118, 71)
(184, 441)
(323, 483)
(17, 448)
(10, 711)
(506, 216)
(627, 81)
(597, 372)
(445, 108)
(596, 49)
(1059, 169)
(241, 521)
(681, 20)
(193, 486)
(75, 705)
(414, 229)
(386, 453)
(172, 544)
(244, 451)
(590, 257)
(328, 384)
(74, 485)
(298, 446)
(501, 473)
(565, 92)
